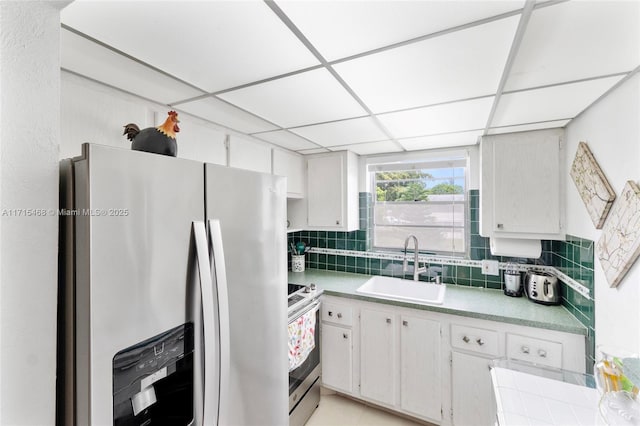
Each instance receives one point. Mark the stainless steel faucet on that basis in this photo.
(416, 268)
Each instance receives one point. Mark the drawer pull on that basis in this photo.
(525, 349)
(405, 323)
(465, 339)
(339, 315)
(479, 341)
(345, 336)
(388, 320)
(330, 313)
(542, 353)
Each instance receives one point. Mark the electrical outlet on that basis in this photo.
(490, 267)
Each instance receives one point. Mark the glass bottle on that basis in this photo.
(618, 403)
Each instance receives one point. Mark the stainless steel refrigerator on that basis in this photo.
(173, 292)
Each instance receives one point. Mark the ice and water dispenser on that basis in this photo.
(153, 380)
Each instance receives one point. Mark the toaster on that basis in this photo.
(542, 287)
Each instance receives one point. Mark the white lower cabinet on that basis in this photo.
(377, 355)
(475, 343)
(336, 353)
(424, 363)
(472, 399)
(420, 367)
(336, 346)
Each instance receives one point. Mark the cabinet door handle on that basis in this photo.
(330, 313)
(525, 349)
(480, 341)
(465, 339)
(542, 353)
(500, 226)
(345, 336)
(337, 222)
(405, 323)
(388, 320)
(339, 315)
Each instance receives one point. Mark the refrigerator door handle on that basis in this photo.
(206, 404)
(219, 274)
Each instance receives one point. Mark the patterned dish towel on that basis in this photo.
(301, 339)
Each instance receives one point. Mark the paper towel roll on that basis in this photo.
(515, 247)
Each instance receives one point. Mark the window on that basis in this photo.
(426, 199)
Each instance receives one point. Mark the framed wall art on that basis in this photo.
(619, 245)
(593, 187)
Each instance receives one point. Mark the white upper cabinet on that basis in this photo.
(199, 142)
(247, 154)
(521, 188)
(292, 166)
(332, 191)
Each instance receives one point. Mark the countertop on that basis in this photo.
(531, 395)
(471, 302)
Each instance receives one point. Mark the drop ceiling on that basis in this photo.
(369, 76)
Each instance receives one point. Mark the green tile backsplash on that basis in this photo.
(574, 257)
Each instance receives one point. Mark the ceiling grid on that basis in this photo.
(371, 77)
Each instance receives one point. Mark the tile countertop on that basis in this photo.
(471, 302)
(530, 395)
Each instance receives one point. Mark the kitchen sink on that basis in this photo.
(404, 290)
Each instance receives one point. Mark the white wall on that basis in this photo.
(29, 138)
(611, 128)
(92, 112)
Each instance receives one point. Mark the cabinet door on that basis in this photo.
(377, 363)
(420, 385)
(336, 353)
(473, 402)
(325, 191)
(527, 185)
(291, 166)
(250, 155)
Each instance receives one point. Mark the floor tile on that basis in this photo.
(336, 410)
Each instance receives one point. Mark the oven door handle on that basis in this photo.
(313, 306)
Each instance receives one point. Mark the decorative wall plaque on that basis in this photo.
(619, 244)
(593, 187)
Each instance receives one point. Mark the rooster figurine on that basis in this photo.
(157, 140)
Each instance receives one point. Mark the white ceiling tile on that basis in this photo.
(91, 60)
(526, 127)
(550, 103)
(226, 115)
(286, 139)
(342, 132)
(441, 141)
(306, 98)
(575, 40)
(211, 44)
(447, 118)
(343, 28)
(368, 148)
(455, 66)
